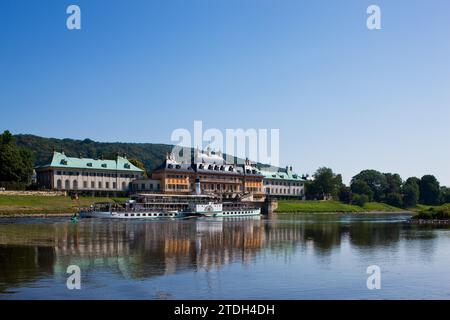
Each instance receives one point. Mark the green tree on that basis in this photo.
(411, 192)
(429, 190)
(136, 162)
(360, 199)
(16, 164)
(361, 187)
(345, 195)
(393, 183)
(394, 199)
(325, 184)
(445, 195)
(375, 180)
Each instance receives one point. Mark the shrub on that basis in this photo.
(360, 199)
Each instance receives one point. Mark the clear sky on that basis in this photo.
(342, 96)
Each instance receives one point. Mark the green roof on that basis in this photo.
(60, 160)
(281, 175)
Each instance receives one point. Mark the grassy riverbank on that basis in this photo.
(332, 206)
(23, 205)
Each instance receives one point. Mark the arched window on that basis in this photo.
(124, 185)
(67, 184)
(75, 184)
(59, 184)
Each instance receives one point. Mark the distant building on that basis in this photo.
(284, 183)
(87, 175)
(215, 176)
(146, 185)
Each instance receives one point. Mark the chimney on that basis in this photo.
(198, 190)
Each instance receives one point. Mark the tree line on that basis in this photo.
(375, 186)
(16, 164)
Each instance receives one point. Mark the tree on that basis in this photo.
(345, 195)
(445, 195)
(360, 199)
(375, 180)
(393, 183)
(326, 184)
(411, 192)
(139, 164)
(394, 199)
(16, 164)
(361, 187)
(429, 190)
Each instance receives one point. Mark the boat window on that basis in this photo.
(126, 214)
(132, 214)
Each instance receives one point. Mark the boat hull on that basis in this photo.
(132, 215)
(235, 213)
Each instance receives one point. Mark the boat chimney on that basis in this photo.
(198, 190)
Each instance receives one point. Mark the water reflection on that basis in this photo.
(31, 249)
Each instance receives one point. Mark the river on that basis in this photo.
(287, 256)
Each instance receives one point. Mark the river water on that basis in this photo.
(289, 256)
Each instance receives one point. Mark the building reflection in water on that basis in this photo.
(146, 249)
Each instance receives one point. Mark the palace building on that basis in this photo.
(216, 177)
(87, 175)
(284, 183)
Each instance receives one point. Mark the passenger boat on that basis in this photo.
(226, 209)
(129, 211)
(157, 206)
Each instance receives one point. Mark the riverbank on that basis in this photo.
(297, 206)
(433, 215)
(41, 206)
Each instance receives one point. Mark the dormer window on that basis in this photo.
(104, 165)
(169, 166)
(64, 162)
(178, 166)
(126, 166)
(89, 164)
(230, 168)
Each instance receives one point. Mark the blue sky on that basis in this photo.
(342, 96)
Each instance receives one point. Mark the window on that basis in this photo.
(59, 184)
(67, 185)
(143, 186)
(99, 184)
(114, 185)
(107, 185)
(75, 184)
(85, 185)
(92, 185)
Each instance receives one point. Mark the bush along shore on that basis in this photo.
(433, 215)
(24, 205)
(298, 206)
